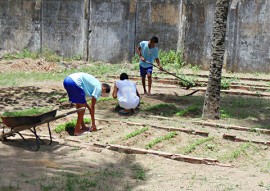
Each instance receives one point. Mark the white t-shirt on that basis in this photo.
(126, 94)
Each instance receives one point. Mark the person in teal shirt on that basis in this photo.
(148, 52)
(79, 86)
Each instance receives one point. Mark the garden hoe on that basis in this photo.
(189, 84)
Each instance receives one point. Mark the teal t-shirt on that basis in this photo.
(90, 85)
(150, 54)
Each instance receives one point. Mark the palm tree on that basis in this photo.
(211, 109)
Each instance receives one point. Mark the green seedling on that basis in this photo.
(135, 133)
(237, 152)
(63, 100)
(197, 143)
(27, 112)
(138, 172)
(105, 99)
(69, 125)
(160, 139)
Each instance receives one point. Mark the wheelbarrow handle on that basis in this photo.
(68, 113)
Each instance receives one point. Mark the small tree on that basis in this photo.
(211, 109)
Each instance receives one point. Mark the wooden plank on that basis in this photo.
(236, 139)
(178, 157)
(234, 127)
(188, 131)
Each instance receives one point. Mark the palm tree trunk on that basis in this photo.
(211, 109)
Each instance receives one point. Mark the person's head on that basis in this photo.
(123, 76)
(152, 42)
(105, 90)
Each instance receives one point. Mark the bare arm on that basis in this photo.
(114, 94)
(158, 63)
(139, 52)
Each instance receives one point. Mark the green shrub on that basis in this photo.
(169, 58)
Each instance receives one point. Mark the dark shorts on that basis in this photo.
(75, 93)
(145, 71)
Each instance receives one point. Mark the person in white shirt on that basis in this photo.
(127, 94)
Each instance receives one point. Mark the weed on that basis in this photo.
(266, 168)
(192, 108)
(25, 53)
(138, 172)
(160, 139)
(135, 133)
(167, 58)
(171, 58)
(111, 173)
(105, 99)
(226, 82)
(27, 112)
(69, 125)
(225, 114)
(9, 188)
(236, 152)
(63, 100)
(163, 109)
(193, 146)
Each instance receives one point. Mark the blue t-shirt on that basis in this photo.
(150, 54)
(90, 85)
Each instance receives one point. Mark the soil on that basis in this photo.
(74, 163)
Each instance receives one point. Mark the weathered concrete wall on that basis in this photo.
(19, 25)
(197, 31)
(118, 26)
(158, 18)
(249, 36)
(64, 27)
(112, 30)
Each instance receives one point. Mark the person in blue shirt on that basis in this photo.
(148, 53)
(79, 86)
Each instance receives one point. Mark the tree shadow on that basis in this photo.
(254, 110)
(68, 168)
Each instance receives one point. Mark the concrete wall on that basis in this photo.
(197, 31)
(64, 27)
(110, 30)
(158, 18)
(249, 36)
(19, 27)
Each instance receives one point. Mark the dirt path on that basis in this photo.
(73, 163)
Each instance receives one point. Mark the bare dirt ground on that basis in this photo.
(74, 163)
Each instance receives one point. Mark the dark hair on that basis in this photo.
(107, 86)
(123, 76)
(154, 39)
